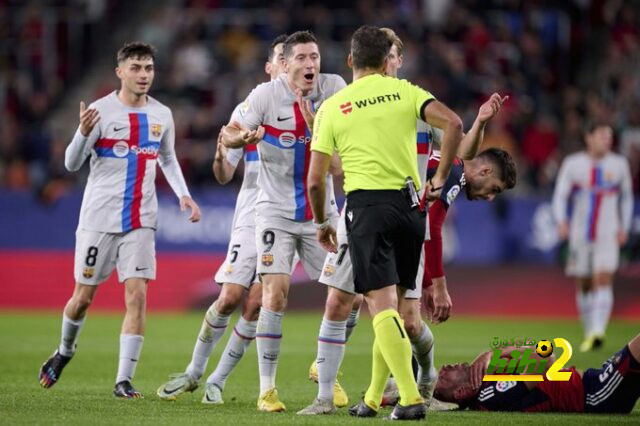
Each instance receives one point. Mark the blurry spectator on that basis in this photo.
(539, 145)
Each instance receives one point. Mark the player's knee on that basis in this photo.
(136, 301)
(81, 303)
(337, 309)
(413, 326)
(252, 308)
(227, 303)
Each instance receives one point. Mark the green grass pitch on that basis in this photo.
(83, 395)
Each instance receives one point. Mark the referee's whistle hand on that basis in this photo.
(433, 189)
(328, 239)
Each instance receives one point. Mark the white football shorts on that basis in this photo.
(97, 253)
(587, 258)
(277, 241)
(239, 267)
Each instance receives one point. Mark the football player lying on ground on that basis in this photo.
(614, 388)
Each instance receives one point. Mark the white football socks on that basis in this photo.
(213, 327)
(268, 338)
(331, 340)
(243, 334)
(69, 336)
(130, 348)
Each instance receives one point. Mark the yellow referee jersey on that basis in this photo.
(371, 123)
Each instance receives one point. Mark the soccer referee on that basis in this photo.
(372, 125)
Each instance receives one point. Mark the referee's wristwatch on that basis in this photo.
(323, 225)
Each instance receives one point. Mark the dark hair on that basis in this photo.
(299, 37)
(135, 49)
(369, 47)
(505, 164)
(391, 35)
(272, 47)
(593, 125)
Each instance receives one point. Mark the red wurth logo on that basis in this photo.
(346, 108)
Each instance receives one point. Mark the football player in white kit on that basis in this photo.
(124, 134)
(237, 274)
(600, 183)
(279, 115)
(342, 305)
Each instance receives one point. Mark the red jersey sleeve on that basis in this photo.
(433, 247)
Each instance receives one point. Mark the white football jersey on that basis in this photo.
(602, 196)
(124, 145)
(285, 150)
(244, 214)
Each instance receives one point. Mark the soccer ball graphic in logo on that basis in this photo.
(544, 348)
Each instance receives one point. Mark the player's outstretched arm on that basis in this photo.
(234, 135)
(473, 139)
(222, 169)
(80, 147)
(439, 115)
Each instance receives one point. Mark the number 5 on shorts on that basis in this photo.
(92, 253)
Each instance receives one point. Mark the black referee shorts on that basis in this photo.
(385, 238)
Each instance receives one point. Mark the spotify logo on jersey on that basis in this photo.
(287, 139)
(121, 149)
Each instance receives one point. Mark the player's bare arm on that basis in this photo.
(318, 169)
(473, 139)
(438, 303)
(222, 170)
(234, 135)
(335, 167)
(439, 115)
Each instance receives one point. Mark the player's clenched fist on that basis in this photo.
(88, 119)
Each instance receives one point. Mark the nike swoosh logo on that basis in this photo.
(140, 269)
(170, 391)
(116, 129)
(284, 119)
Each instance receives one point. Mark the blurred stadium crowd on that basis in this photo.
(561, 63)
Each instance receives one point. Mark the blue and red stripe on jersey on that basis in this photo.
(301, 158)
(251, 152)
(423, 142)
(136, 166)
(598, 188)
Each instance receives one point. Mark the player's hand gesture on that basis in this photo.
(433, 189)
(221, 150)
(491, 107)
(187, 202)
(88, 119)
(234, 135)
(328, 239)
(306, 109)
